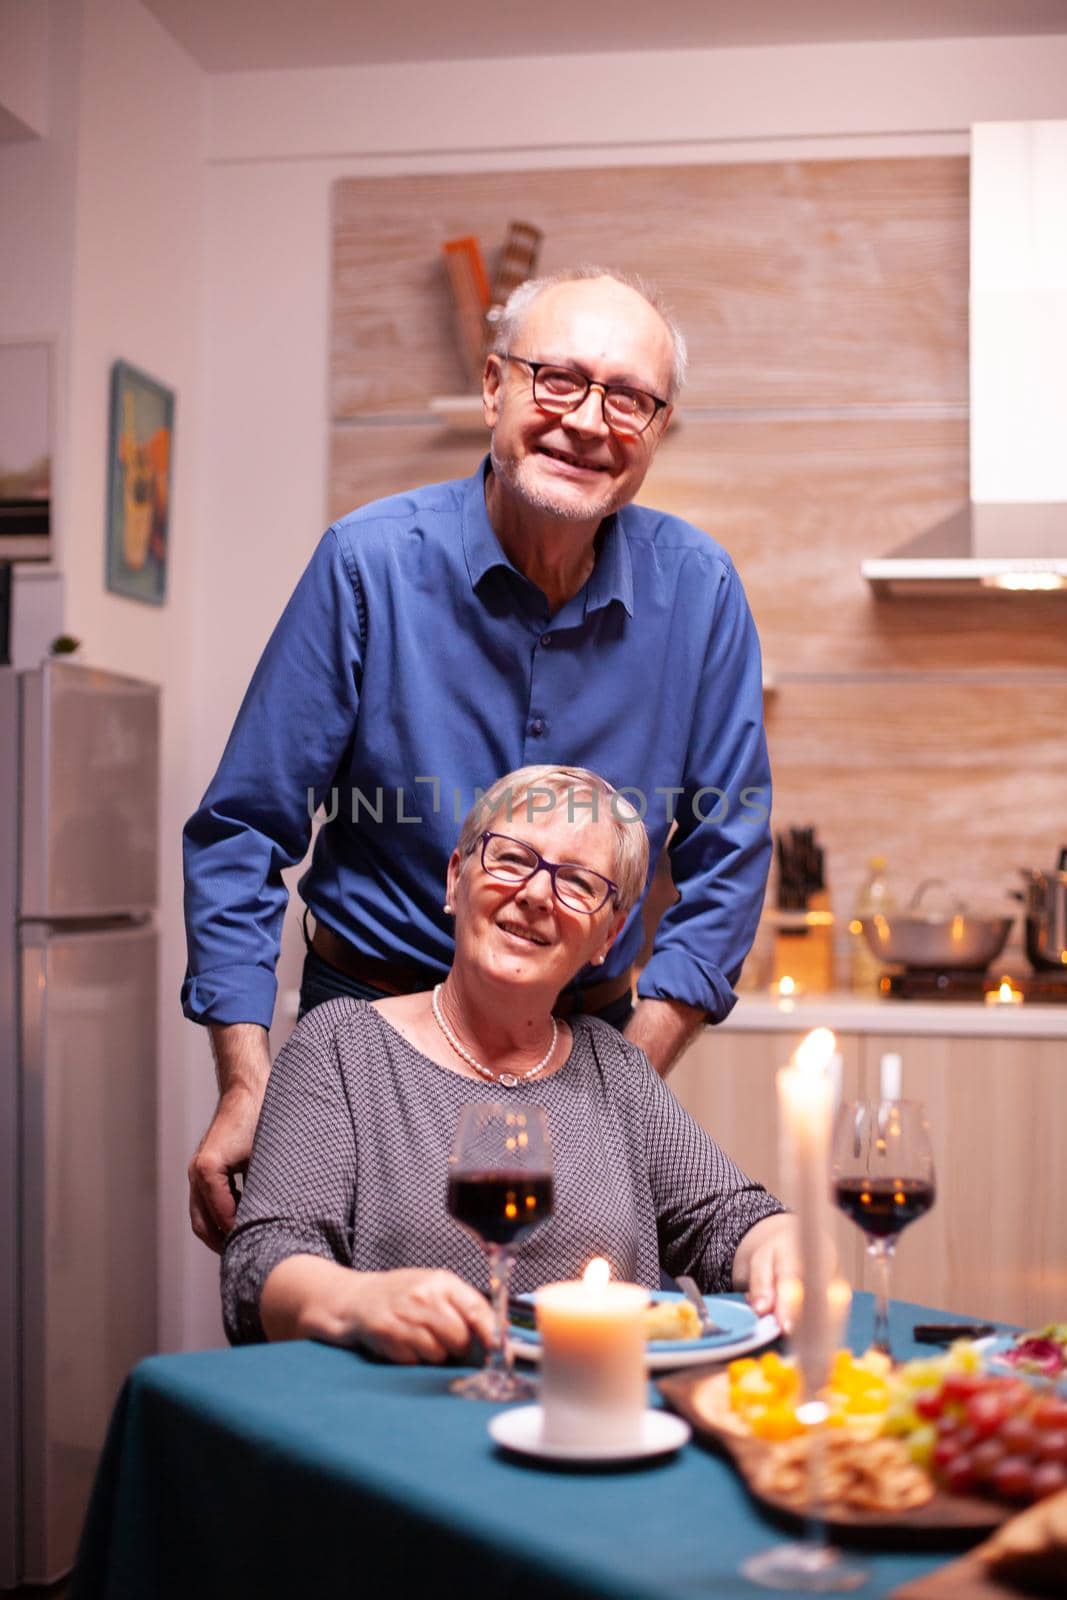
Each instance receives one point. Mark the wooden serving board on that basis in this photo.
(944, 1517)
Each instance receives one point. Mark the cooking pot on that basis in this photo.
(1046, 917)
(949, 940)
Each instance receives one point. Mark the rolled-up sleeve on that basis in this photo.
(298, 1195)
(291, 732)
(720, 852)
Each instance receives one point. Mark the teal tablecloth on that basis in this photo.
(296, 1470)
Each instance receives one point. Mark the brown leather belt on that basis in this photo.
(393, 977)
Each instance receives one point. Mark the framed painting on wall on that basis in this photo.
(141, 452)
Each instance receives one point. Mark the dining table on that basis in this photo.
(300, 1469)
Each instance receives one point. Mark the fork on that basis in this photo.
(708, 1325)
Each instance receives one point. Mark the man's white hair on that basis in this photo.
(508, 322)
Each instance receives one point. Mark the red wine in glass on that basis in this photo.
(883, 1207)
(500, 1188)
(500, 1207)
(882, 1178)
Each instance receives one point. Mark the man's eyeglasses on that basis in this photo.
(513, 861)
(557, 390)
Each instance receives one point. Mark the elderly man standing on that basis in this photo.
(531, 613)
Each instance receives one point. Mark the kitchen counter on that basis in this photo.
(847, 1012)
(992, 1080)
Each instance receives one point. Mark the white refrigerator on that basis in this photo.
(79, 801)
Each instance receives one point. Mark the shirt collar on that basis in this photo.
(611, 577)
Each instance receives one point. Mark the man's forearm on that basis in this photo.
(662, 1029)
(242, 1056)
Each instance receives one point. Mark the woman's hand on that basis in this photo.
(420, 1314)
(408, 1315)
(767, 1255)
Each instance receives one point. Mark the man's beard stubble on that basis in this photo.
(512, 473)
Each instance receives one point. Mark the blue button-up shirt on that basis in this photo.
(413, 666)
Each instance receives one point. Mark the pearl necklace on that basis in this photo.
(507, 1079)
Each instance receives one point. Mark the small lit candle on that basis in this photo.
(786, 991)
(1005, 994)
(805, 1107)
(593, 1384)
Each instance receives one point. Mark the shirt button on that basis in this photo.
(537, 726)
(546, 639)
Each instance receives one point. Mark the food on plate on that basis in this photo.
(977, 1433)
(1042, 1351)
(672, 1319)
(860, 1474)
(1031, 1549)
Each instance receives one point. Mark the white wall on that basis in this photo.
(137, 288)
(632, 104)
(24, 69)
(37, 199)
(277, 142)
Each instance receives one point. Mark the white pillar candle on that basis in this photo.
(593, 1385)
(805, 1108)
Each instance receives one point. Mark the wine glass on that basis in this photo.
(500, 1187)
(882, 1173)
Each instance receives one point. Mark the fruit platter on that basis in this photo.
(941, 1443)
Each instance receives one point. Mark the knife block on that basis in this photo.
(804, 945)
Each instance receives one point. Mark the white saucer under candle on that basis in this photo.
(593, 1385)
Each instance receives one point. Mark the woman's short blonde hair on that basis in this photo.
(587, 796)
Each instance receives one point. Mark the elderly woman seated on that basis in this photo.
(342, 1233)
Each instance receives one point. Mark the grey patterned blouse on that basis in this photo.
(350, 1163)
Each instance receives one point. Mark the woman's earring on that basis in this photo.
(448, 908)
(598, 961)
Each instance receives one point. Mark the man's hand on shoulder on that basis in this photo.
(662, 1029)
(242, 1063)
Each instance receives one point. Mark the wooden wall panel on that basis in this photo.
(368, 463)
(963, 781)
(798, 283)
(800, 503)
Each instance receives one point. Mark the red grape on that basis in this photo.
(961, 1385)
(986, 1458)
(929, 1403)
(1018, 1435)
(985, 1413)
(1049, 1477)
(1013, 1479)
(945, 1452)
(960, 1475)
(1051, 1413)
(1052, 1445)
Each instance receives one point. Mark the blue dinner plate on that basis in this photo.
(738, 1321)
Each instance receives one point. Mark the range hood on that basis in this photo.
(1013, 534)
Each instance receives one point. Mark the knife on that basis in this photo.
(708, 1327)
